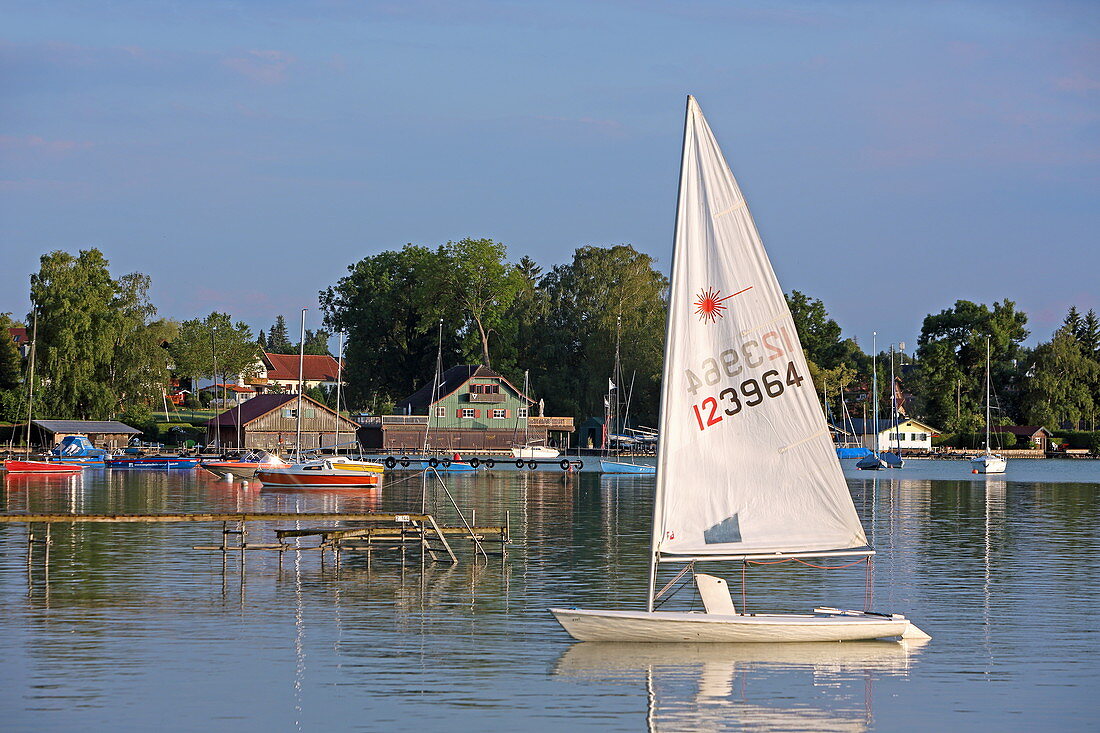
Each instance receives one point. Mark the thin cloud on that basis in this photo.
(262, 66)
(35, 143)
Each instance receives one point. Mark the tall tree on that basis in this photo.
(278, 340)
(77, 334)
(390, 308)
(316, 343)
(11, 371)
(1057, 389)
(215, 339)
(949, 380)
(580, 323)
(475, 274)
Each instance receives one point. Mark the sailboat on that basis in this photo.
(336, 472)
(893, 458)
(988, 462)
(616, 424)
(746, 469)
(873, 461)
(528, 450)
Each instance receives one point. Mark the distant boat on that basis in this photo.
(529, 450)
(988, 462)
(40, 467)
(246, 466)
(323, 473)
(747, 471)
(872, 461)
(639, 469)
(161, 462)
(77, 449)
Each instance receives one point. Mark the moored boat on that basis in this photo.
(40, 467)
(162, 462)
(246, 466)
(322, 473)
(637, 469)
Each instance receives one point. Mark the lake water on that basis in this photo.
(134, 630)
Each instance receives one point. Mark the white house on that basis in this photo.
(910, 434)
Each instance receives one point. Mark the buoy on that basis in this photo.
(244, 484)
(974, 471)
(227, 476)
(457, 457)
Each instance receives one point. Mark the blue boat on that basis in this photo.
(161, 462)
(638, 469)
(77, 449)
(852, 452)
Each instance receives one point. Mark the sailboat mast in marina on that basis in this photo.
(746, 466)
(988, 462)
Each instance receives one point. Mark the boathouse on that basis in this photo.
(269, 421)
(474, 409)
(910, 434)
(1036, 436)
(109, 434)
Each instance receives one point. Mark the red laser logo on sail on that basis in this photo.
(709, 304)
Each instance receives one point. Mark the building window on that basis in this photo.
(522, 412)
(467, 412)
(441, 412)
(892, 437)
(500, 414)
(922, 436)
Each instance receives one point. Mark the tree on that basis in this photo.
(316, 343)
(475, 274)
(278, 341)
(262, 341)
(390, 309)
(580, 323)
(216, 336)
(1089, 334)
(75, 300)
(11, 363)
(1057, 389)
(949, 379)
(138, 371)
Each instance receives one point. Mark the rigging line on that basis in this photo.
(690, 567)
(808, 564)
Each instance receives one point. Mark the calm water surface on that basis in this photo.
(135, 630)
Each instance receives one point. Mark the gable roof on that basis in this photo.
(315, 368)
(865, 427)
(450, 382)
(18, 334)
(261, 405)
(1025, 430)
(227, 387)
(111, 427)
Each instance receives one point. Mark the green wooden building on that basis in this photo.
(475, 410)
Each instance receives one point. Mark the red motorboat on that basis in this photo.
(39, 467)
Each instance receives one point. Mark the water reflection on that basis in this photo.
(827, 687)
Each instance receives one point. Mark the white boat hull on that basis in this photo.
(675, 626)
(989, 464)
(534, 451)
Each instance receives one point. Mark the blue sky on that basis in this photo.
(897, 156)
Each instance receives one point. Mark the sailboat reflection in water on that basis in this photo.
(746, 469)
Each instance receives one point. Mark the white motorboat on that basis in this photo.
(746, 470)
(323, 473)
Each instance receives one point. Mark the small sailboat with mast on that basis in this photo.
(746, 468)
(988, 462)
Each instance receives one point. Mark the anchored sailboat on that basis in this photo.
(988, 462)
(746, 467)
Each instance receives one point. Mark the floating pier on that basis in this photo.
(371, 533)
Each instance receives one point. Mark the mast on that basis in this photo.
(301, 382)
(30, 381)
(987, 395)
(339, 382)
(435, 386)
(214, 376)
(894, 402)
(874, 388)
(658, 496)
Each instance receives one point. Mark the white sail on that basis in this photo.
(747, 464)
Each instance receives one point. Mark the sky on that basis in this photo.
(897, 156)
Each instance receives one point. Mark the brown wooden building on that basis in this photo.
(269, 421)
(473, 409)
(109, 434)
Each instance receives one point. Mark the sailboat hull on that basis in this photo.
(639, 469)
(673, 626)
(989, 464)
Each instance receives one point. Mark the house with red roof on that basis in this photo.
(22, 342)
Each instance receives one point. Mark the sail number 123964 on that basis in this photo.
(749, 393)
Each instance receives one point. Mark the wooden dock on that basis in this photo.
(370, 533)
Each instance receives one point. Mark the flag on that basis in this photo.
(610, 385)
